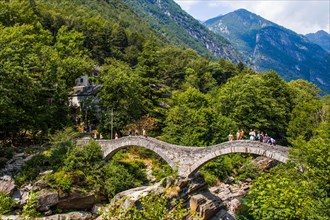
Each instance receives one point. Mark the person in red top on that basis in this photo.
(116, 135)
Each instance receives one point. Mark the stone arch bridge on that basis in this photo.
(187, 160)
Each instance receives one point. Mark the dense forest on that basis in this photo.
(175, 94)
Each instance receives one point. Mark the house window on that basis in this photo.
(81, 80)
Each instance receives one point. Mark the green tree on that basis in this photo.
(299, 190)
(121, 91)
(16, 12)
(307, 110)
(187, 122)
(258, 101)
(192, 122)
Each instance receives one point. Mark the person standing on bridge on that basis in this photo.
(116, 135)
(238, 135)
(144, 132)
(230, 137)
(242, 133)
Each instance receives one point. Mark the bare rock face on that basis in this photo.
(205, 204)
(7, 185)
(233, 205)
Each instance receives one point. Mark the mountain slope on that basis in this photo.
(181, 29)
(270, 46)
(321, 38)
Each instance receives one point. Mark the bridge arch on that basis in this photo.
(109, 151)
(187, 160)
(278, 153)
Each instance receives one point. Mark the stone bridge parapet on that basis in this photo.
(188, 160)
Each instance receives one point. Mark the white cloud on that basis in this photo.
(186, 4)
(302, 16)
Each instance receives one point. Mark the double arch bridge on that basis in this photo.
(187, 160)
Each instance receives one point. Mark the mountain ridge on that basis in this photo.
(181, 29)
(269, 46)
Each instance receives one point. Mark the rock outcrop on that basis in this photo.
(7, 185)
(13, 166)
(193, 192)
(69, 216)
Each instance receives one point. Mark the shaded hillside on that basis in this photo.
(181, 29)
(270, 46)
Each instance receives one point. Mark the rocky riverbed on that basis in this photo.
(217, 202)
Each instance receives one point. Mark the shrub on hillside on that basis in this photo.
(6, 203)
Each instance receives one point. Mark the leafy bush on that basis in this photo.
(47, 160)
(150, 207)
(162, 170)
(135, 168)
(64, 137)
(63, 180)
(82, 158)
(237, 165)
(249, 170)
(6, 203)
(117, 178)
(30, 208)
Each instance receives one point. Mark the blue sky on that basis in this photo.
(304, 16)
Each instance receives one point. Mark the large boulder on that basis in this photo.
(47, 199)
(205, 204)
(7, 185)
(79, 199)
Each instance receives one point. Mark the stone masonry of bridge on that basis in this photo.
(187, 160)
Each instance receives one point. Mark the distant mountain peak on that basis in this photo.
(321, 38)
(271, 46)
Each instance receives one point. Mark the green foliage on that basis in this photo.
(307, 112)
(121, 91)
(192, 121)
(30, 207)
(64, 137)
(305, 119)
(300, 189)
(261, 102)
(60, 180)
(237, 165)
(162, 170)
(42, 65)
(117, 178)
(158, 209)
(6, 203)
(51, 159)
(83, 158)
(152, 206)
(280, 195)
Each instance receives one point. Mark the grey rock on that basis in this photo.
(47, 199)
(79, 199)
(10, 217)
(205, 204)
(46, 172)
(7, 185)
(69, 216)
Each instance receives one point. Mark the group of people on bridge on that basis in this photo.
(253, 136)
